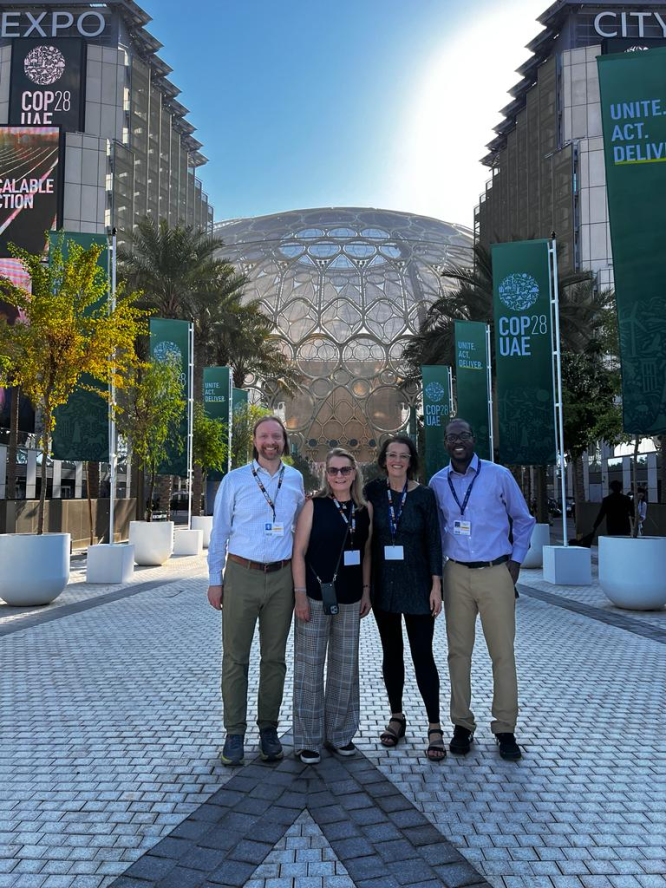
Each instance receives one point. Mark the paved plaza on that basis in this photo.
(110, 725)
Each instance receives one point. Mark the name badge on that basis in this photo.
(394, 553)
(352, 557)
(273, 529)
(462, 528)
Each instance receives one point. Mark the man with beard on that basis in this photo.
(486, 529)
(255, 510)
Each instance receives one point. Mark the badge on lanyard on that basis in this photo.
(461, 527)
(352, 557)
(273, 529)
(394, 553)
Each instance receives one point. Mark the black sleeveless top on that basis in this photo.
(328, 532)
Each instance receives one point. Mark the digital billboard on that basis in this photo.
(47, 83)
(29, 186)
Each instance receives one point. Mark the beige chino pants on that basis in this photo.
(252, 596)
(488, 592)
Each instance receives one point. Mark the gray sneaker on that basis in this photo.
(269, 744)
(233, 752)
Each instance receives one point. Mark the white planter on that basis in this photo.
(110, 564)
(567, 565)
(632, 572)
(205, 523)
(152, 541)
(35, 569)
(188, 542)
(540, 538)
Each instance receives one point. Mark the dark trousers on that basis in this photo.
(420, 631)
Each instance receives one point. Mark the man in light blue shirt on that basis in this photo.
(255, 511)
(486, 530)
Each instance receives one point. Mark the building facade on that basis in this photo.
(547, 160)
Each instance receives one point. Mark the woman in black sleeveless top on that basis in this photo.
(332, 541)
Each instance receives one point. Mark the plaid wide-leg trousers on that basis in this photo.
(332, 713)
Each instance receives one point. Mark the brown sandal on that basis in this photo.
(435, 752)
(390, 738)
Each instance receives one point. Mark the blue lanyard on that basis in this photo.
(394, 520)
(270, 502)
(351, 521)
(469, 490)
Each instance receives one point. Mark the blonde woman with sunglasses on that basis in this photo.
(331, 569)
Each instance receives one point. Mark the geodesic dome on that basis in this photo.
(345, 288)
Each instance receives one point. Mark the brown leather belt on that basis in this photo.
(269, 567)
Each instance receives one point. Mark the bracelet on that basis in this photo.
(367, 586)
(300, 589)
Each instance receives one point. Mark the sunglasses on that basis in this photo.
(344, 470)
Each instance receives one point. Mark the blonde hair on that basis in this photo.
(356, 489)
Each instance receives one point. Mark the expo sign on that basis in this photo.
(51, 24)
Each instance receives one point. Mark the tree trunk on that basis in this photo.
(12, 450)
(197, 489)
(579, 493)
(634, 483)
(89, 497)
(164, 488)
(149, 502)
(541, 495)
(43, 474)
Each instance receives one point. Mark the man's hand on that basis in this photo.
(514, 570)
(302, 606)
(215, 596)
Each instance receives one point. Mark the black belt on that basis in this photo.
(474, 564)
(266, 567)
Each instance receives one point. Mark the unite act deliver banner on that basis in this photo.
(633, 109)
(218, 404)
(524, 353)
(472, 395)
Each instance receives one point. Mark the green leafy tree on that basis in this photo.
(210, 446)
(69, 331)
(311, 481)
(245, 416)
(150, 417)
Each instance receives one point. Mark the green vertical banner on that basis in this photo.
(172, 338)
(472, 395)
(524, 353)
(218, 404)
(436, 415)
(633, 109)
(240, 398)
(82, 424)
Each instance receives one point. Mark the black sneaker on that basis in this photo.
(269, 745)
(461, 741)
(508, 748)
(309, 756)
(347, 750)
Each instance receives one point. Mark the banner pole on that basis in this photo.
(489, 374)
(559, 411)
(190, 424)
(113, 456)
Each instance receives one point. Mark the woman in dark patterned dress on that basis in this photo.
(406, 584)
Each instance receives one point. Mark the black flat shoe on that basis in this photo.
(508, 748)
(462, 740)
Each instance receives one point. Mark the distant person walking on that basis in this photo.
(486, 530)
(618, 510)
(641, 511)
(255, 510)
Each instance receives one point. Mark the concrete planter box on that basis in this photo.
(152, 541)
(110, 564)
(540, 538)
(35, 569)
(205, 523)
(567, 565)
(188, 542)
(632, 572)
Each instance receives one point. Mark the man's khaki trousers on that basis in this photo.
(251, 595)
(489, 592)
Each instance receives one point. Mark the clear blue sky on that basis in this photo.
(303, 104)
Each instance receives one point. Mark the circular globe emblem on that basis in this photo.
(435, 391)
(165, 351)
(519, 291)
(44, 65)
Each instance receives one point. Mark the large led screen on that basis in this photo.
(29, 186)
(46, 83)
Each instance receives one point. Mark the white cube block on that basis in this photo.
(540, 538)
(188, 542)
(110, 563)
(567, 565)
(205, 523)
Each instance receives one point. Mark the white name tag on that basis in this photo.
(273, 529)
(394, 553)
(462, 528)
(352, 557)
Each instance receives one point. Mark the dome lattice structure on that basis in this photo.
(346, 289)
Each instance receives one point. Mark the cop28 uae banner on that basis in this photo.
(171, 339)
(524, 353)
(633, 108)
(436, 415)
(472, 395)
(218, 404)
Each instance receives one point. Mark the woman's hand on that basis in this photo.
(366, 605)
(436, 600)
(302, 607)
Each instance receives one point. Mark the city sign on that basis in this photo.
(628, 24)
(51, 24)
(46, 83)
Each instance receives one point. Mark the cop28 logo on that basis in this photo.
(44, 65)
(435, 391)
(168, 351)
(519, 291)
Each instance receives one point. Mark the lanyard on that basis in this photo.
(351, 521)
(394, 520)
(469, 490)
(270, 502)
